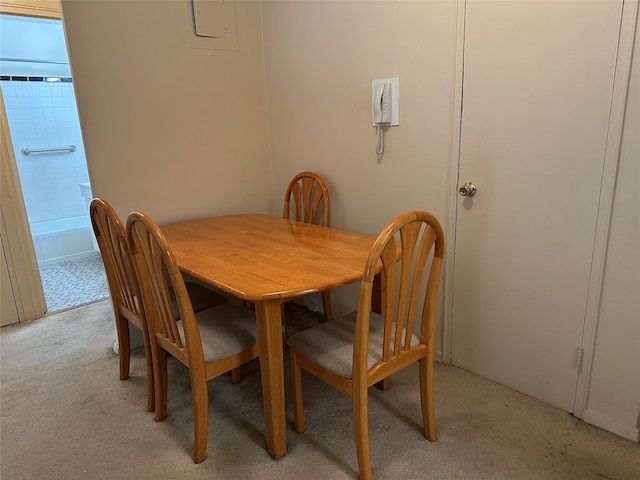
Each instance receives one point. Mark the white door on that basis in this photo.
(538, 80)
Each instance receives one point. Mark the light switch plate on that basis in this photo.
(395, 96)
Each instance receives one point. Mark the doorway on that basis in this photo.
(42, 117)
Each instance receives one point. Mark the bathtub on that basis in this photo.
(62, 240)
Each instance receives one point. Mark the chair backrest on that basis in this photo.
(308, 191)
(114, 249)
(402, 285)
(157, 270)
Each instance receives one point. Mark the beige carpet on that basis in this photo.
(65, 415)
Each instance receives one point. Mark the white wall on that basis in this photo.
(169, 130)
(614, 394)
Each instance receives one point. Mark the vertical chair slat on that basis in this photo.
(426, 243)
(408, 235)
(317, 198)
(295, 191)
(389, 280)
(116, 245)
(307, 186)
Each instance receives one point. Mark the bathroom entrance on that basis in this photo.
(41, 113)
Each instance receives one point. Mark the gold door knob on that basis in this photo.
(467, 190)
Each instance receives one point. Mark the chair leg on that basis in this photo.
(160, 379)
(151, 402)
(236, 375)
(384, 384)
(200, 398)
(326, 305)
(426, 398)
(124, 345)
(296, 383)
(361, 430)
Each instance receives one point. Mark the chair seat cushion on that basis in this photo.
(330, 345)
(225, 330)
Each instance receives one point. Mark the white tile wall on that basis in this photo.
(44, 115)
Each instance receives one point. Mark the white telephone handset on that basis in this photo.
(381, 112)
(382, 104)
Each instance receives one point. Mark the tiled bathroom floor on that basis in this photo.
(71, 284)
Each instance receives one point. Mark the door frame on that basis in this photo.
(22, 264)
(31, 8)
(605, 206)
(619, 96)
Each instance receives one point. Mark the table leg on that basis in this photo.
(269, 321)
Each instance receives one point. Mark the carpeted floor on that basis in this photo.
(65, 415)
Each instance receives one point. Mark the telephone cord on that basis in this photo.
(379, 141)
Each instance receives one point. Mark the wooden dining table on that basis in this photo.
(268, 261)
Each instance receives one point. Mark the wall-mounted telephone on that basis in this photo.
(384, 107)
(382, 104)
(381, 112)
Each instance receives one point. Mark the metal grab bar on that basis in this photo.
(27, 60)
(29, 151)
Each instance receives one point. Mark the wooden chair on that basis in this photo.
(310, 198)
(123, 288)
(209, 343)
(356, 351)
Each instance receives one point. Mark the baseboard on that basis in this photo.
(438, 356)
(613, 426)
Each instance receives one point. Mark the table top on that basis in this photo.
(260, 257)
